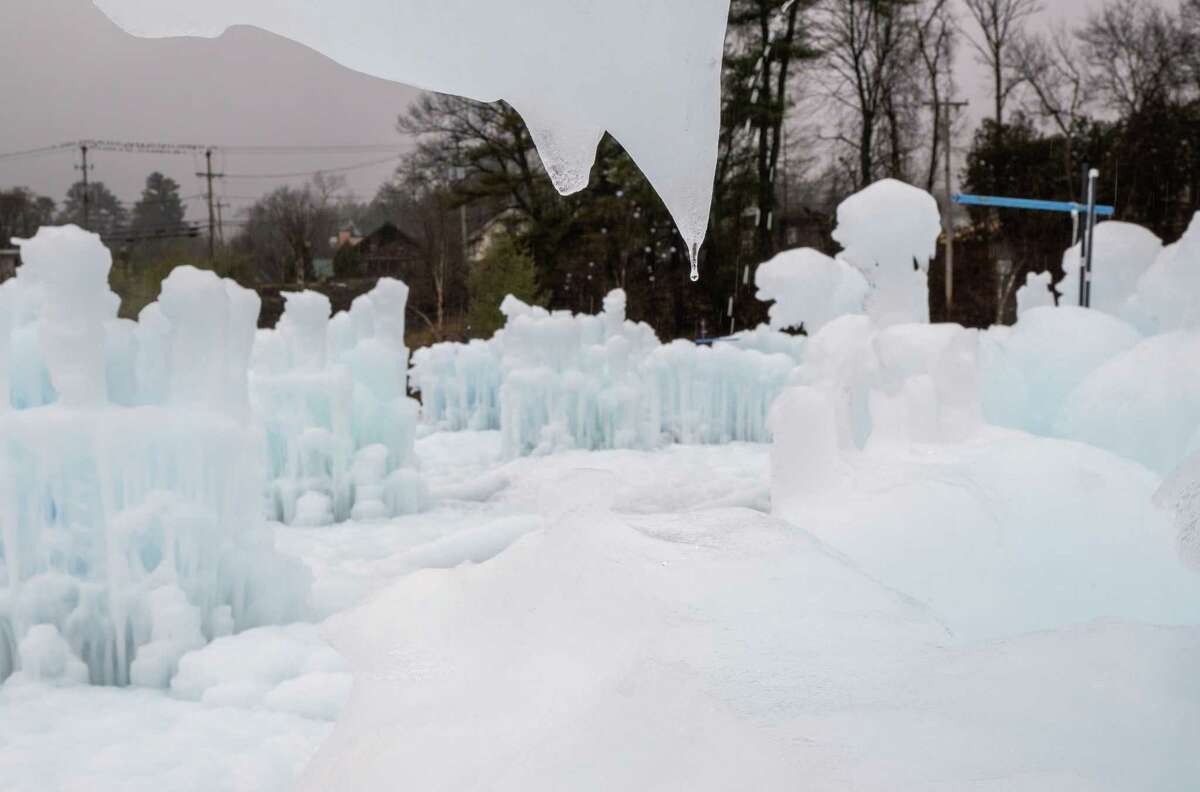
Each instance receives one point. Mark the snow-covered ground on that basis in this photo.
(637, 620)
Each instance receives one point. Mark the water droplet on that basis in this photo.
(695, 263)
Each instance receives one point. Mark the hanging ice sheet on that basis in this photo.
(647, 71)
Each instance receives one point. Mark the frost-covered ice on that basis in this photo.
(650, 74)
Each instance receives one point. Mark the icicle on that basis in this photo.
(695, 254)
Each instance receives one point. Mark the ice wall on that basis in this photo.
(649, 73)
(713, 395)
(131, 481)
(889, 231)
(572, 381)
(333, 397)
(555, 380)
(459, 385)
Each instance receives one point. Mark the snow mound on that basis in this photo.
(889, 231)
(654, 648)
(648, 74)
(1001, 535)
(282, 669)
(809, 289)
(131, 478)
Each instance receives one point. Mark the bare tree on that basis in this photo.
(1137, 52)
(1057, 77)
(864, 42)
(935, 30)
(1000, 23)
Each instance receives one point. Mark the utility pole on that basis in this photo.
(945, 111)
(87, 192)
(212, 208)
(221, 222)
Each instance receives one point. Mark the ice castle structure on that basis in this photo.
(333, 397)
(131, 469)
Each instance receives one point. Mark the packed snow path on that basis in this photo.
(636, 620)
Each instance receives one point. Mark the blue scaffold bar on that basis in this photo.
(1030, 203)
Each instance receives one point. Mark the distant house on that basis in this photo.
(502, 224)
(348, 234)
(388, 251)
(10, 259)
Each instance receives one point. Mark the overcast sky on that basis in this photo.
(67, 73)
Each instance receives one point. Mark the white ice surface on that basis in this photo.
(649, 73)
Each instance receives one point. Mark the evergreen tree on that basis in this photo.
(159, 210)
(105, 214)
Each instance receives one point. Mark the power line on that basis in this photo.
(302, 174)
(184, 149)
(38, 152)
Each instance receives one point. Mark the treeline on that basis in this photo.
(820, 98)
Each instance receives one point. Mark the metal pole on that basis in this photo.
(1093, 175)
(1083, 243)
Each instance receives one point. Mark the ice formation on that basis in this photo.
(650, 74)
(333, 396)
(1142, 404)
(552, 381)
(889, 231)
(1122, 253)
(1030, 369)
(281, 669)
(459, 385)
(1037, 292)
(809, 289)
(131, 476)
